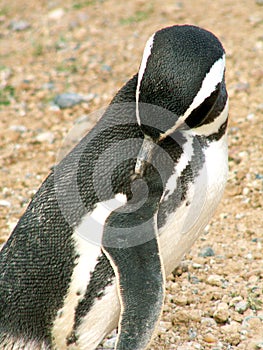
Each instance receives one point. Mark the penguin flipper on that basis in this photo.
(140, 282)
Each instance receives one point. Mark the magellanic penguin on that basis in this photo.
(117, 213)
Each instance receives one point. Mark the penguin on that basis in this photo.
(115, 216)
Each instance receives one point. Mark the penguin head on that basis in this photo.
(181, 80)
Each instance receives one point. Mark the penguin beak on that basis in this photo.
(144, 156)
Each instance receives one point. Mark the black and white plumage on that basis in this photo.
(116, 215)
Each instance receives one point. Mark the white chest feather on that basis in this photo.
(185, 224)
(88, 254)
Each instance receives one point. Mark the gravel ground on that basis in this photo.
(90, 48)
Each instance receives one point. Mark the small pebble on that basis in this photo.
(234, 129)
(194, 280)
(260, 106)
(197, 266)
(236, 300)
(245, 191)
(250, 116)
(106, 68)
(5, 203)
(180, 316)
(18, 128)
(235, 316)
(249, 256)
(56, 14)
(254, 322)
(180, 269)
(239, 216)
(68, 99)
(206, 229)
(221, 314)
(233, 327)
(253, 279)
(208, 321)
(46, 137)
(164, 326)
(180, 300)
(54, 108)
(206, 252)
(19, 26)
(214, 280)
(5, 74)
(242, 86)
(196, 315)
(210, 338)
(233, 338)
(241, 306)
(48, 86)
(255, 19)
(192, 333)
(223, 306)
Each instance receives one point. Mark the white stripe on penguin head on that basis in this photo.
(146, 54)
(211, 80)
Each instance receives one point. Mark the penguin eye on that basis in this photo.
(201, 113)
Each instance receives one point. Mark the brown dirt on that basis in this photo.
(94, 47)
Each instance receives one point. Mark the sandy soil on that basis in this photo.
(92, 47)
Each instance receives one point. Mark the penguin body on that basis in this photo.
(116, 215)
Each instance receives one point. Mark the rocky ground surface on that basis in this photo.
(89, 48)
